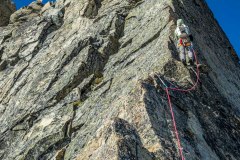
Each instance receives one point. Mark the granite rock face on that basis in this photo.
(26, 12)
(7, 7)
(80, 80)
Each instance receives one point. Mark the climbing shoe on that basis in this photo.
(184, 62)
(191, 62)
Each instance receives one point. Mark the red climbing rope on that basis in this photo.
(194, 86)
(174, 125)
(171, 108)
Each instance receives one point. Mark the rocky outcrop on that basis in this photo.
(81, 81)
(27, 12)
(7, 7)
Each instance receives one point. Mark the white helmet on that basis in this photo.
(180, 22)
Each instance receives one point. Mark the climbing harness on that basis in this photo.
(171, 108)
(184, 42)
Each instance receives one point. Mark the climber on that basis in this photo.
(184, 38)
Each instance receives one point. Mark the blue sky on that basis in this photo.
(227, 12)
(21, 3)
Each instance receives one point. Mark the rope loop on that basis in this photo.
(180, 148)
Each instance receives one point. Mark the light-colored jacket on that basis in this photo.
(178, 32)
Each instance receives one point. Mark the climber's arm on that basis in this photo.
(176, 35)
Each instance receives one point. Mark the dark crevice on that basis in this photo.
(187, 105)
(15, 80)
(7, 37)
(90, 66)
(126, 43)
(1, 53)
(130, 145)
(109, 87)
(63, 144)
(85, 90)
(81, 45)
(85, 70)
(216, 106)
(91, 10)
(154, 104)
(48, 29)
(59, 148)
(33, 153)
(94, 64)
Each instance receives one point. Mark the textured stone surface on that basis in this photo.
(6, 9)
(80, 80)
(27, 12)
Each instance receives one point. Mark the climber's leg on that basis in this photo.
(190, 56)
(182, 54)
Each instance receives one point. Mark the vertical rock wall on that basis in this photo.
(79, 79)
